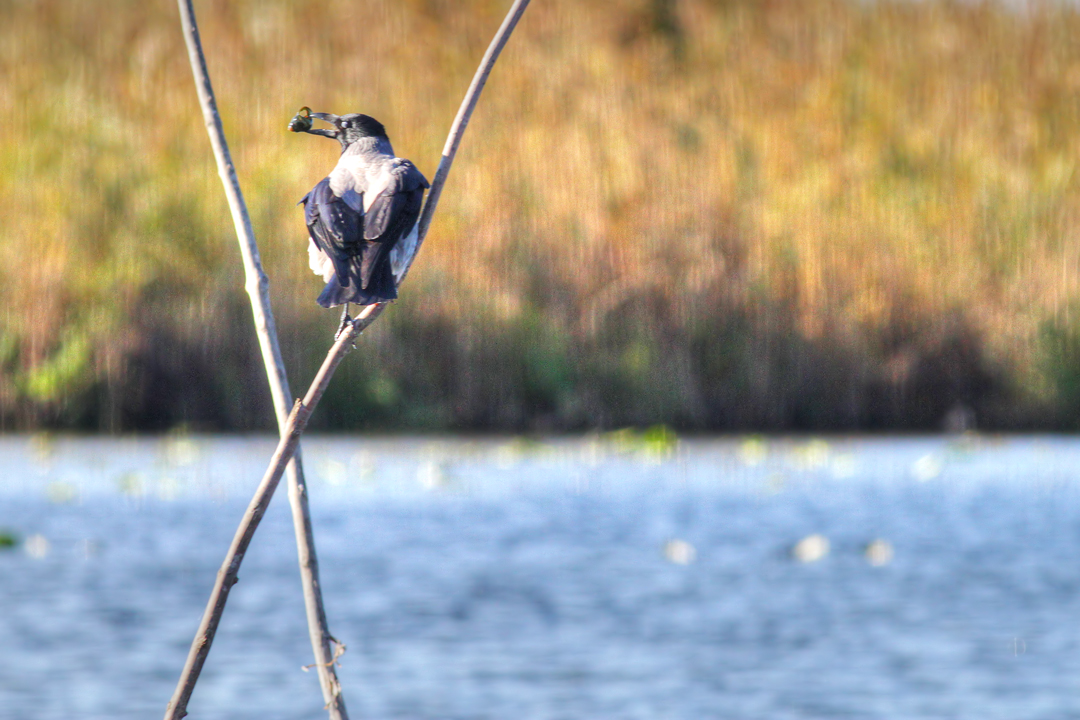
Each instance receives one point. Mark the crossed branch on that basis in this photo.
(292, 423)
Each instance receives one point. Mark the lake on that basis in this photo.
(601, 577)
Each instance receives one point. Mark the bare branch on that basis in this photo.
(294, 426)
(258, 289)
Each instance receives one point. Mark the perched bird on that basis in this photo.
(361, 218)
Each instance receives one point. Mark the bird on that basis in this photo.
(361, 218)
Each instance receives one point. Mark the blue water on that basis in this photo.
(596, 578)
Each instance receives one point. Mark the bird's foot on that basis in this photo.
(346, 323)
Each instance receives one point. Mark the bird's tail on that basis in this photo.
(371, 280)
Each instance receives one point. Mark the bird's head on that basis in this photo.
(347, 129)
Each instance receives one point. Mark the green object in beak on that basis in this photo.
(301, 122)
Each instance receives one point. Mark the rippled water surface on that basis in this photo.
(600, 578)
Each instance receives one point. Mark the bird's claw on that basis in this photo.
(346, 323)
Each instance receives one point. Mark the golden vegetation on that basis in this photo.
(709, 213)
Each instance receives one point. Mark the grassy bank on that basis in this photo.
(811, 214)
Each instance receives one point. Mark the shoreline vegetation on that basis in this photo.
(812, 215)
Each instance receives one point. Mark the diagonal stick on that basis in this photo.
(294, 426)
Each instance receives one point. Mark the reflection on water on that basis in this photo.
(604, 578)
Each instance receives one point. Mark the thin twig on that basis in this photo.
(288, 445)
(258, 289)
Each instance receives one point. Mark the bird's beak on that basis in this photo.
(325, 117)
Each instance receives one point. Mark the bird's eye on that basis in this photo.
(344, 123)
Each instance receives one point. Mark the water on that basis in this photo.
(601, 578)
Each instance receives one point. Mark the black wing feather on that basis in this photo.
(406, 211)
(393, 211)
(334, 226)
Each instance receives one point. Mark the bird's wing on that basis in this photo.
(395, 208)
(334, 226)
(402, 254)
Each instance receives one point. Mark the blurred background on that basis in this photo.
(710, 214)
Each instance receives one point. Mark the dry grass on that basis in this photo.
(715, 214)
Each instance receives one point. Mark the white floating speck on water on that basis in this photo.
(37, 546)
(431, 475)
(811, 455)
(879, 553)
(811, 548)
(362, 466)
(334, 472)
(927, 467)
(179, 451)
(752, 451)
(506, 455)
(679, 552)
